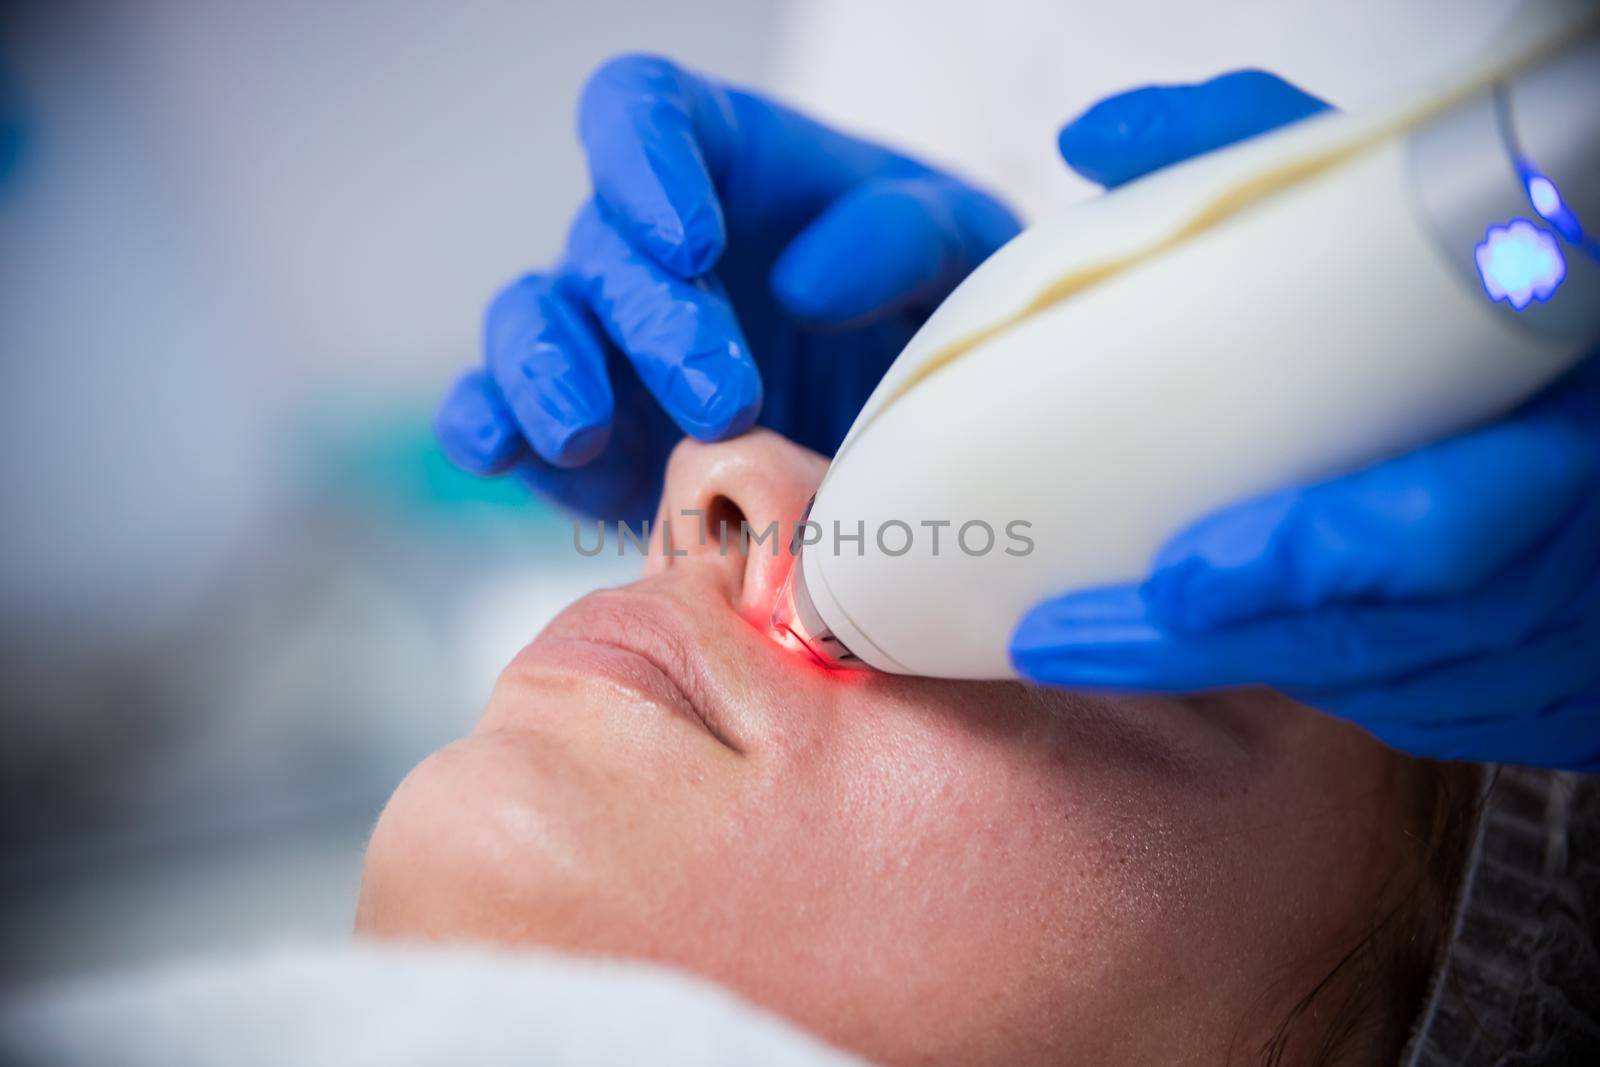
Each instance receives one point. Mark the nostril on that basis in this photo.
(723, 520)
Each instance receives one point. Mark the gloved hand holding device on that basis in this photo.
(1447, 600)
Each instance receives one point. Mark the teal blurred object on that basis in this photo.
(382, 459)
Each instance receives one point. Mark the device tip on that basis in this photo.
(795, 622)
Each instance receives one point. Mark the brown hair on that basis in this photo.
(1362, 1010)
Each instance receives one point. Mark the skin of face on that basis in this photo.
(921, 871)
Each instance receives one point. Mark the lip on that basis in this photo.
(641, 643)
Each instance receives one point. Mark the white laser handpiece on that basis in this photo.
(1285, 310)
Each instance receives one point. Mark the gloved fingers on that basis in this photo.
(886, 245)
(1105, 639)
(548, 363)
(681, 336)
(481, 435)
(1435, 522)
(637, 120)
(475, 428)
(677, 160)
(624, 480)
(1131, 134)
(1108, 638)
(1561, 736)
(1543, 671)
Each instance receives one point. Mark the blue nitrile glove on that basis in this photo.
(739, 263)
(1448, 600)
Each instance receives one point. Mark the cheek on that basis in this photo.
(513, 838)
(906, 855)
(1022, 816)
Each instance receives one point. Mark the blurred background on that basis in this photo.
(243, 249)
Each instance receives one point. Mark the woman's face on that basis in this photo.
(919, 870)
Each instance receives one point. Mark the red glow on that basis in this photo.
(789, 640)
(788, 632)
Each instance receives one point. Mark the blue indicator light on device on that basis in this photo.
(1519, 263)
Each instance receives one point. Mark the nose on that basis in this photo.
(732, 507)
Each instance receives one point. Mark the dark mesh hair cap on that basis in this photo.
(1518, 980)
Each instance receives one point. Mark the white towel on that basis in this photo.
(347, 1005)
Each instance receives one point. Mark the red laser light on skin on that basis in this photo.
(791, 630)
